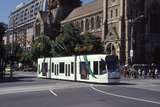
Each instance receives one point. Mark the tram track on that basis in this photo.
(124, 97)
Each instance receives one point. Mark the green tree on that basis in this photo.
(71, 3)
(71, 42)
(89, 44)
(41, 47)
(7, 52)
(16, 51)
(26, 58)
(3, 27)
(66, 41)
(13, 52)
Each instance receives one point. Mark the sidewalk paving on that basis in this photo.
(147, 84)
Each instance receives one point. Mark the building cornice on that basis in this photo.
(25, 5)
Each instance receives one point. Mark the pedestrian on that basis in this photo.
(143, 74)
(149, 73)
(139, 73)
(156, 73)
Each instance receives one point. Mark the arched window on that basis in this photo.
(116, 12)
(98, 22)
(82, 26)
(76, 24)
(111, 13)
(92, 23)
(87, 24)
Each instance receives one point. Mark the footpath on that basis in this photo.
(147, 84)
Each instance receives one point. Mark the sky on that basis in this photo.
(6, 6)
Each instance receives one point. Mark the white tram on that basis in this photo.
(97, 68)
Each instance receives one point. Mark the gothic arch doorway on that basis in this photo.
(110, 49)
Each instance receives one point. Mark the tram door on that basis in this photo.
(56, 68)
(113, 67)
(68, 70)
(44, 69)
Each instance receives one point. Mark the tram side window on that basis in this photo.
(95, 67)
(72, 64)
(102, 67)
(84, 70)
(61, 66)
(52, 67)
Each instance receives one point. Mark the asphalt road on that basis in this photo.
(54, 93)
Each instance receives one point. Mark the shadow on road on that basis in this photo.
(17, 79)
(121, 83)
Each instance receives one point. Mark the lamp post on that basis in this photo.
(132, 31)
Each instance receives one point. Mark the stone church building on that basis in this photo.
(128, 28)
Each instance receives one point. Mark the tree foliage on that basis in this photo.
(73, 43)
(13, 52)
(3, 27)
(26, 58)
(89, 44)
(67, 40)
(70, 3)
(41, 47)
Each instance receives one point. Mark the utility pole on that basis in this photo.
(133, 21)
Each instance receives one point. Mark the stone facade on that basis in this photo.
(116, 21)
(21, 22)
(57, 11)
(110, 20)
(105, 19)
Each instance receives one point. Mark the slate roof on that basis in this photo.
(92, 7)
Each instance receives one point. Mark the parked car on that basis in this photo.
(8, 69)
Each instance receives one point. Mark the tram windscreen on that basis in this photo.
(112, 63)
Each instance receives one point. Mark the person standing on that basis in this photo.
(156, 73)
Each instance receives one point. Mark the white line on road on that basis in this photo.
(126, 97)
(53, 92)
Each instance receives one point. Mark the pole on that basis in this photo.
(132, 31)
(131, 50)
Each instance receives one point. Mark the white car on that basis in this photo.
(8, 69)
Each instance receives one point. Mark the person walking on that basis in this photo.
(139, 73)
(156, 73)
(143, 74)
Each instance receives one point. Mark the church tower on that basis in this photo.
(113, 15)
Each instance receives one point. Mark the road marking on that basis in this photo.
(53, 92)
(126, 97)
